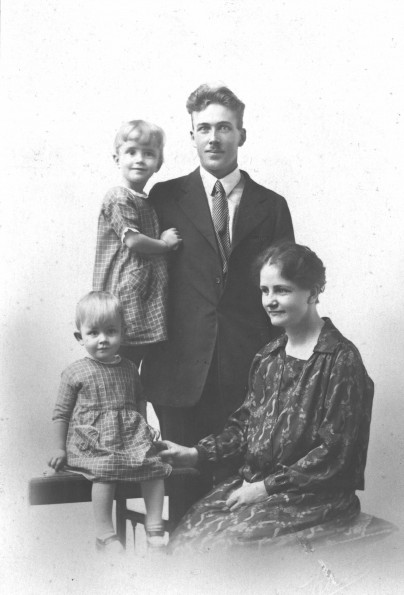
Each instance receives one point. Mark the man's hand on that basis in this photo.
(247, 494)
(58, 460)
(177, 455)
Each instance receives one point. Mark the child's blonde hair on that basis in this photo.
(147, 133)
(97, 307)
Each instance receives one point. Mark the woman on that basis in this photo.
(302, 433)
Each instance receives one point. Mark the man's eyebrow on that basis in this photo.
(216, 124)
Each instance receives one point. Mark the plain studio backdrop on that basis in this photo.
(323, 87)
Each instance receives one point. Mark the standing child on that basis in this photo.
(130, 257)
(100, 422)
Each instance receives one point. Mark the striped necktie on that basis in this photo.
(220, 216)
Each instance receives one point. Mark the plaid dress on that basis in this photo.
(107, 440)
(138, 280)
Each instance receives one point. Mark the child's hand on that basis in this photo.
(171, 238)
(58, 460)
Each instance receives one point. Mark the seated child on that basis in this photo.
(131, 259)
(100, 422)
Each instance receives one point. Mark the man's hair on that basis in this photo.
(97, 307)
(204, 95)
(144, 133)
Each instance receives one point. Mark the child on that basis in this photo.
(100, 422)
(130, 257)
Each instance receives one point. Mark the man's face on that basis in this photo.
(217, 138)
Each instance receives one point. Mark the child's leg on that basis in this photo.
(153, 494)
(103, 497)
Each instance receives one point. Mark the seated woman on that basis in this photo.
(301, 434)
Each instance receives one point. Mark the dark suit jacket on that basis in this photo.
(205, 310)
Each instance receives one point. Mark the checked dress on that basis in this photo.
(138, 280)
(107, 440)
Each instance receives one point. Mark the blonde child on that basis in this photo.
(100, 422)
(131, 257)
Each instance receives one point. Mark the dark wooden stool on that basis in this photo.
(65, 487)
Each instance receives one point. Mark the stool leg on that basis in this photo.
(120, 513)
(134, 523)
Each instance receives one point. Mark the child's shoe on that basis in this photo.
(109, 545)
(155, 540)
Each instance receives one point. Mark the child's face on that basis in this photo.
(102, 340)
(137, 162)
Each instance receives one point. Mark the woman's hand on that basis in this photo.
(58, 460)
(177, 455)
(247, 494)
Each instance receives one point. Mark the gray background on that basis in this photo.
(323, 85)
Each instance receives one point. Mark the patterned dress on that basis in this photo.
(138, 280)
(107, 440)
(303, 430)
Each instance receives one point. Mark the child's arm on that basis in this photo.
(59, 456)
(65, 403)
(169, 240)
(142, 408)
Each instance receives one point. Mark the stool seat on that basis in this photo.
(67, 487)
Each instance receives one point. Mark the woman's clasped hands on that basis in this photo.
(248, 493)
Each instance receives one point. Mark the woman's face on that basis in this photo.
(286, 304)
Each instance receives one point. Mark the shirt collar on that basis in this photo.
(229, 182)
(327, 342)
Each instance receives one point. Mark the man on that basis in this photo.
(216, 322)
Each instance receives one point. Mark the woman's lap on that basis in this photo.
(209, 523)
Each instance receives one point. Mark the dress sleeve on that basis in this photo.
(342, 437)
(66, 399)
(232, 442)
(121, 214)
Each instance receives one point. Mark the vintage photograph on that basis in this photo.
(203, 324)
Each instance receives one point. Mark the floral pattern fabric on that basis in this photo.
(303, 430)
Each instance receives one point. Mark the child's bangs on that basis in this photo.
(98, 308)
(101, 316)
(145, 135)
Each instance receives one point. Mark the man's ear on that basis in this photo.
(192, 135)
(78, 337)
(115, 157)
(243, 137)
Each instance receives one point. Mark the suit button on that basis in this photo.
(218, 280)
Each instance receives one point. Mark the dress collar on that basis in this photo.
(135, 193)
(327, 342)
(116, 361)
(229, 182)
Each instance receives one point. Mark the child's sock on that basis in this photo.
(155, 535)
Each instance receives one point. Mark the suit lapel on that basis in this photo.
(194, 204)
(252, 210)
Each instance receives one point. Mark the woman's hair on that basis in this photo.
(97, 307)
(144, 133)
(297, 263)
(204, 95)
